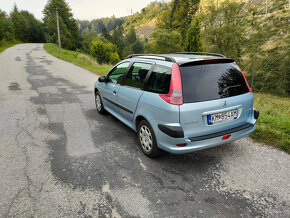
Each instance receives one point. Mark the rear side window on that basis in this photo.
(137, 74)
(211, 81)
(159, 80)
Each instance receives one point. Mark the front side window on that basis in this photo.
(159, 81)
(137, 74)
(116, 75)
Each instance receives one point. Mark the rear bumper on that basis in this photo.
(202, 142)
(222, 133)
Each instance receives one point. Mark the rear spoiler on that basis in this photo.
(205, 61)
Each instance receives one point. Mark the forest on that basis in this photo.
(241, 30)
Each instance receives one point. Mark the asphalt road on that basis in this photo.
(60, 158)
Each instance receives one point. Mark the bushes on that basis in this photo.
(104, 52)
(272, 73)
(166, 41)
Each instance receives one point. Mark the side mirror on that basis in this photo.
(102, 79)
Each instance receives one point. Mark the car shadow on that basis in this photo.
(110, 122)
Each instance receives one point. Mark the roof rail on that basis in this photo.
(152, 56)
(201, 53)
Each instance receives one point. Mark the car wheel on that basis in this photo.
(147, 140)
(99, 103)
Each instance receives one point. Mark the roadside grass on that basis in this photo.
(78, 59)
(5, 45)
(273, 125)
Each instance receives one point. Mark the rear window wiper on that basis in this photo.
(229, 87)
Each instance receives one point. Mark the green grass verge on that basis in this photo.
(5, 45)
(273, 125)
(78, 59)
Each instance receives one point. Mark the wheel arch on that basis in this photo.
(142, 115)
(138, 119)
(96, 90)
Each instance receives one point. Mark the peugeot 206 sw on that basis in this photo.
(179, 103)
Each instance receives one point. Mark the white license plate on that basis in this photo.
(221, 117)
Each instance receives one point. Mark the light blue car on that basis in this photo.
(179, 103)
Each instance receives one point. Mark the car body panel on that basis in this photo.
(156, 111)
(128, 98)
(109, 95)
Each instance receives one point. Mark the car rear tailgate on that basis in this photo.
(216, 97)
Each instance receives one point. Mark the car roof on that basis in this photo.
(179, 58)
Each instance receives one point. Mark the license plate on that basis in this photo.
(221, 117)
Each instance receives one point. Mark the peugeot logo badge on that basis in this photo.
(224, 103)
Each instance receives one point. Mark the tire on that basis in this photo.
(147, 140)
(99, 103)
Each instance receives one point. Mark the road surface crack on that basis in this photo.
(30, 187)
(13, 200)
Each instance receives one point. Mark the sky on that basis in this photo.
(82, 9)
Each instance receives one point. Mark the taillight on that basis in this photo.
(174, 95)
(245, 80)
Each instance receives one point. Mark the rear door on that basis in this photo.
(109, 90)
(216, 98)
(130, 93)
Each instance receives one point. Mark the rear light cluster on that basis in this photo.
(174, 96)
(250, 90)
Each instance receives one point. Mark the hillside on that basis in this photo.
(145, 21)
(145, 30)
(147, 16)
(263, 51)
(265, 45)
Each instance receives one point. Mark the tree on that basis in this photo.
(193, 36)
(255, 42)
(20, 24)
(179, 17)
(131, 36)
(26, 27)
(70, 37)
(105, 33)
(138, 47)
(224, 28)
(35, 32)
(6, 27)
(119, 40)
(166, 41)
(88, 37)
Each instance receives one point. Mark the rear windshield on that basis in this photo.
(211, 81)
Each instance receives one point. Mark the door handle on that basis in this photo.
(114, 92)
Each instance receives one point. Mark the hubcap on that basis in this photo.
(145, 138)
(98, 103)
